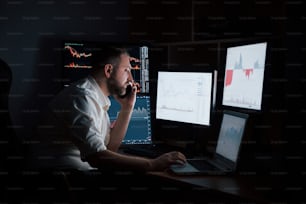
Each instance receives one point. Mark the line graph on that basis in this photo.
(74, 65)
(77, 56)
(75, 53)
(184, 97)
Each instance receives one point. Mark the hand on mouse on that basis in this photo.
(180, 162)
(166, 160)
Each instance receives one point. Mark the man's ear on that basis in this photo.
(108, 68)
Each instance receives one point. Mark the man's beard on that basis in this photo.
(114, 87)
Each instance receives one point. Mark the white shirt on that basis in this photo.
(82, 125)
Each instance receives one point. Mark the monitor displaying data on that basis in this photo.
(78, 56)
(184, 97)
(244, 76)
(139, 130)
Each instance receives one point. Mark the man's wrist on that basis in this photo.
(151, 165)
(127, 110)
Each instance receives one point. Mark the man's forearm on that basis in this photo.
(109, 160)
(119, 130)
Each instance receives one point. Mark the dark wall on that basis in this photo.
(31, 37)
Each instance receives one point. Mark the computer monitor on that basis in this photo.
(244, 76)
(139, 130)
(77, 60)
(184, 97)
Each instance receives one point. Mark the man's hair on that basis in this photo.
(106, 55)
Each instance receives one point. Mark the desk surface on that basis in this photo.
(251, 188)
(274, 187)
(263, 185)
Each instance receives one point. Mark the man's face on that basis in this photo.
(120, 76)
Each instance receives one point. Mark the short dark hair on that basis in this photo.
(106, 55)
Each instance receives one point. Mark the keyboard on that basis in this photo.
(200, 164)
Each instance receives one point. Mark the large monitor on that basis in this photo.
(184, 97)
(244, 76)
(77, 60)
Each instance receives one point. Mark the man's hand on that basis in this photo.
(165, 160)
(128, 102)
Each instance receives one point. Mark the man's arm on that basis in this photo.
(121, 125)
(109, 160)
(119, 130)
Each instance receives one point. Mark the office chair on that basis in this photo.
(6, 131)
(10, 148)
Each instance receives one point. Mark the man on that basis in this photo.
(80, 112)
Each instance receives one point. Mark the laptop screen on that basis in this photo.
(139, 130)
(230, 136)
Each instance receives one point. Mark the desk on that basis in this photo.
(254, 182)
(211, 188)
(241, 188)
(237, 188)
(152, 187)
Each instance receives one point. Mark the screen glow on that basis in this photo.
(184, 97)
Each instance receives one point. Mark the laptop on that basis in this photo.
(138, 138)
(226, 154)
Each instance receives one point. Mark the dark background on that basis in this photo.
(191, 33)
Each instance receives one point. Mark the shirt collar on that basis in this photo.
(104, 99)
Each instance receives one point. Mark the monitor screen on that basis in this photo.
(139, 130)
(77, 55)
(184, 97)
(244, 76)
(77, 61)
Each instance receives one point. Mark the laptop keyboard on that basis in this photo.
(200, 164)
